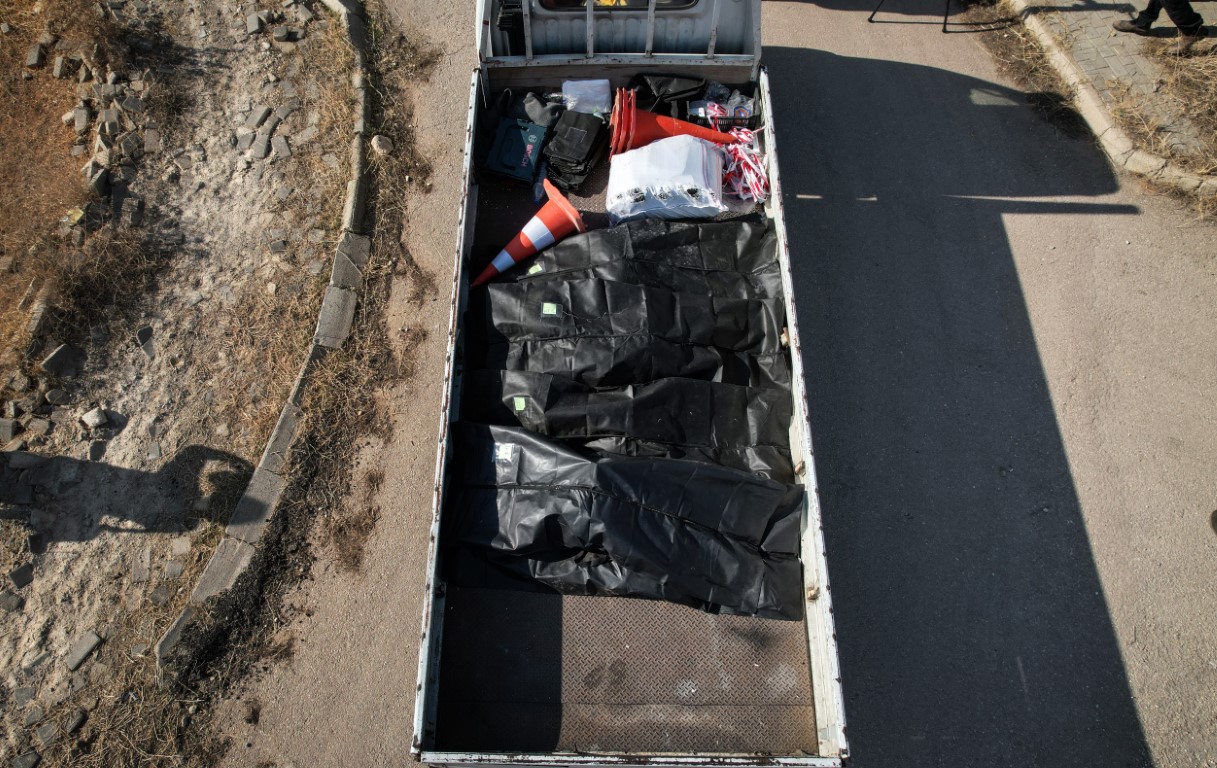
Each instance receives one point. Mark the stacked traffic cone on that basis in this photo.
(557, 219)
(631, 128)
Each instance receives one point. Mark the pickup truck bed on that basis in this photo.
(560, 673)
(543, 679)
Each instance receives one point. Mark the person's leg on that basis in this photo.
(1145, 19)
(1150, 14)
(1189, 22)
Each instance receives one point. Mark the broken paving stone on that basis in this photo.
(278, 246)
(180, 545)
(47, 734)
(261, 147)
(28, 760)
(39, 427)
(60, 68)
(95, 418)
(174, 569)
(97, 450)
(74, 721)
(36, 57)
(25, 460)
(253, 24)
(132, 103)
(32, 715)
(24, 695)
(31, 664)
(141, 570)
(11, 603)
(154, 450)
(9, 428)
(152, 141)
(305, 136)
(257, 116)
(281, 34)
(22, 575)
(57, 397)
(331, 160)
(62, 362)
(143, 337)
(160, 595)
(281, 147)
(81, 649)
(245, 141)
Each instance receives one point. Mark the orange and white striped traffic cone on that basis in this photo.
(557, 219)
(632, 128)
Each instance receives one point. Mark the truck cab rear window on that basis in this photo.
(619, 5)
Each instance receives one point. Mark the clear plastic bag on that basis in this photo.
(675, 178)
(592, 97)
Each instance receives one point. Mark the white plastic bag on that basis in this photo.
(680, 177)
(593, 97)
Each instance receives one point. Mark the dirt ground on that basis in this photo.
(191, 372)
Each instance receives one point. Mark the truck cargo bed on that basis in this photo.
(542, 672)
(546, 679)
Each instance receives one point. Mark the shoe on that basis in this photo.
(1185, 43)
(1125, 25)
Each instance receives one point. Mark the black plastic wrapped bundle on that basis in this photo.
(605, 333)
(740, 427)
(731, 259)
(529, 511)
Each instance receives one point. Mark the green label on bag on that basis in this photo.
(518, 404)
(535, 268)
(549, 309)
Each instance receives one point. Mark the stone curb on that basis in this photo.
(1115, 142)
(253, 512)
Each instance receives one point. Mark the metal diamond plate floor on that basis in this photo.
(542, 672)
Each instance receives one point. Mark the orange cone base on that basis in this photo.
(556, 219)
(632, 128)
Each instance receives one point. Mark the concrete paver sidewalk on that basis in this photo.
(1120, 73)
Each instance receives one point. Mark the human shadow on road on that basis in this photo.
(66, 499)
(970, 616)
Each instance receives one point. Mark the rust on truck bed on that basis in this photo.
(536, 672)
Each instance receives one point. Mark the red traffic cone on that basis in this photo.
(557, 219)
(634, 128)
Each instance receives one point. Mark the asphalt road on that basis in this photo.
(1011, 355)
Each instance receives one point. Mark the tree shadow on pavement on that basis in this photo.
(65, 499)
(970, 616)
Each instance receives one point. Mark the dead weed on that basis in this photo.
(1020, 58)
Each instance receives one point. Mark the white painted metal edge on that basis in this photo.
(821, 631)
(430, 607)
(563, 759)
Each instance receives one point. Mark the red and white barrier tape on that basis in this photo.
(744, 174)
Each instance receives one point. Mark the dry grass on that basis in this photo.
(269, 333)
(1020, 58)
(1191, 81)
(131, 719)
(343, 385)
